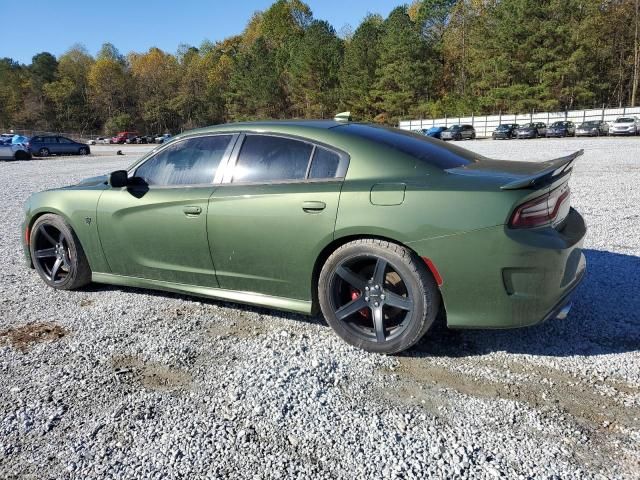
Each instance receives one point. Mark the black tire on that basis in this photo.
(473, 136)
(21, 155)
(388, 286)
(83, 151)
(458, 137)
(57, 255)
(43, 152)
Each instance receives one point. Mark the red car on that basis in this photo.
(124, 137)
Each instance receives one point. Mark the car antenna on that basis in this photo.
(343, 117)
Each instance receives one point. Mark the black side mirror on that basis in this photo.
(118, 179)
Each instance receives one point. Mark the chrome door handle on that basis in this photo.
(313, 207)
(192, 211)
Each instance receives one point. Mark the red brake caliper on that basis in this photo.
(355, 294)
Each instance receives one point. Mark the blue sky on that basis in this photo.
(55, 25)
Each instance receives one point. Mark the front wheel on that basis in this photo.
(377, 295)
(43, 152)
(57, 254)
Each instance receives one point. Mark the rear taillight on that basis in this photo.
(544, 210)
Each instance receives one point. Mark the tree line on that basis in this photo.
(426, 59)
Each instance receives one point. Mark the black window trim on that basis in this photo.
(343, 165)
(217, 179)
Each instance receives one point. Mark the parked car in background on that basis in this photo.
(124, 137)
(625, 126)
(458, 132)
(505, 131)
(163, 138)
(103, 140)
(45, 145)
(561, 129)
(14, 151)
(592, 128)
(434, 132)
(532, 130)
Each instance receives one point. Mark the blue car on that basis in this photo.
(45, 145)
(434, 132)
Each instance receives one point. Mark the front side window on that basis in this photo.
(51, 140)
(193, 161)
(264, 158)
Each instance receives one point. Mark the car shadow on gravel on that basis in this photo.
(284, 315)
(605, 319)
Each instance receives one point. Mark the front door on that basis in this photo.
(270, 219)
(157, 227)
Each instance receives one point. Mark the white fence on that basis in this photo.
(487, 124)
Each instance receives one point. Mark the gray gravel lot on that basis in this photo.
(123, 383)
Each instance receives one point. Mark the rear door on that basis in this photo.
(157, 227)
(273, 214)
(66, 146)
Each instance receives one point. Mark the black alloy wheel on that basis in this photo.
(377, 295)
(57, 255)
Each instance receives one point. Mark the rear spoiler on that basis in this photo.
(552, 169)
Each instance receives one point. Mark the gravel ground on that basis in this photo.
(123, 383)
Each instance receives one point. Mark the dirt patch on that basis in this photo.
(149, 374)
(605, 419)
(86, 302)
(23, 337)
(240, 328)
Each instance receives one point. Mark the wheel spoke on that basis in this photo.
(46, 234)
(350, 308)
(351, 277)
(378, 273)
(61, 238)
(378, 324)
(394, 300)
(46, 252)
(55, 269)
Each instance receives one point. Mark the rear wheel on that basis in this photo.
(43, 152)
(377, 295)
(57, 254)
(21, 155)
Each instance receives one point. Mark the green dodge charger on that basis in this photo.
(381, 229)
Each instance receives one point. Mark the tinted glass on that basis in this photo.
(432, 151)
(50, 140)
(324, 164)
(64, 140)
(265, 158)
(624, 120)
(191, 162)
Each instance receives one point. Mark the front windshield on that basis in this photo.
(560, 124)
(528, 125)
(589, 125)
(454, 127)
(624, 120)
(504, 126)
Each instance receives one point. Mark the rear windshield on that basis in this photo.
(429, 150)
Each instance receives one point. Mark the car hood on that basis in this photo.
(93, 181)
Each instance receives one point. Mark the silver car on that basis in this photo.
(625, 126)
(10, 150)
(458, 132)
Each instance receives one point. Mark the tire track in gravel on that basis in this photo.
(606, 411)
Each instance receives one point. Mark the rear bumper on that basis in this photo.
(502, 278)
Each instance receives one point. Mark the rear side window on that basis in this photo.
(189, 162)
(51, 140)
(429, 150)
(264, 158)
(324, 164)
(64, 140)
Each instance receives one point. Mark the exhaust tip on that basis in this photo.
(564, 311)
